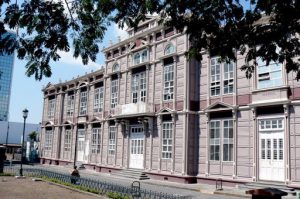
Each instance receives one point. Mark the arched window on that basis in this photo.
(144, 55)
(115, 67)
(169, 49)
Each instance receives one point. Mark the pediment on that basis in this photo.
(218, 106)
(95, 119)
(165, 110)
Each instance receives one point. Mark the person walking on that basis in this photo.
(74, 175)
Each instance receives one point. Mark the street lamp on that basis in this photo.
(25, 114)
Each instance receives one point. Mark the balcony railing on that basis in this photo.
(133, 108)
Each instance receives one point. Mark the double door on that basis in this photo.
(136, 147)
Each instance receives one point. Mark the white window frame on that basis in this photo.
(70, 105)
(221, 79)
(114, 93)
(48, 140)
(51, 108)
(98, 99)
(83, 103)
(167, 140)
(219, 140)
(168, 82)
(112, 140)
(140, 57)
(271, 124)
(266, 75)
(67, 140)
(95, 140)
(138, 87)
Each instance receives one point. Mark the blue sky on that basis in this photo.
(26, 91)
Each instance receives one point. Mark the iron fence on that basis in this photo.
(100, 186)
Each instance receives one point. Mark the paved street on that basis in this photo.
(12, 188)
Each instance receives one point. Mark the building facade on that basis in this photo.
(153, 109)
(6, 69)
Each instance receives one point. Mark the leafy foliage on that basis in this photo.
(33, 136)
(265, 29)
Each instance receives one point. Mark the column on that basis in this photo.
(102, 138)
(127, 124)
(150, 127)
(175, 82)
(207, 145)
(235, 141)
(174, 141)
(255, 145)
(117, 123)
(287, 149)
(145, 126)
(160, 141)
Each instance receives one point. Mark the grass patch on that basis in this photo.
(7, 174)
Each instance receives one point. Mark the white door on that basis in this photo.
(80, 145)
(271, 156)
(136, 147)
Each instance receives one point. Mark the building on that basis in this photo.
(6, 69)
(151, 108)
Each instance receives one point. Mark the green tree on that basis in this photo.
(263, 28)
(33, 136)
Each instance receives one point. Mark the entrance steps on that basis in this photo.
(261, 185)
(138, 174)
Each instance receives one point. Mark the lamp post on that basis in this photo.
(25, 114)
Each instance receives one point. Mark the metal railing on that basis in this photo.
(101, 187)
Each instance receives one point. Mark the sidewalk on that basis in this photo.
(202, 191)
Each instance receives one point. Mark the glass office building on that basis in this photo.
(6, 69)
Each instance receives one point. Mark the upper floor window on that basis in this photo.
(116, 67)
(114, 93)
(168, 80)
(98, 99)
(269, 76)
(221, 134)
(96, 140)
(221, 77)
(140, 57)
(138, 87)
(70, 105)
(51, 108)
(169, 49)
(83, 103)
(167, 140)
(112, 140)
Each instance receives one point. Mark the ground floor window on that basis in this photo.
(167, 140)
(221, 140)
(67, 140)
(96, 139)
(112, 140)
(48, 139)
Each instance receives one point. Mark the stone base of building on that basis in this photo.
(225, 182)
(172, 178)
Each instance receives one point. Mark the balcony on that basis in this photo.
(270, 95)
(133, 109)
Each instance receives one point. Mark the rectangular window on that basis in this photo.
(228, 140)
(216, 69)
(114, 93)
(96, 140)
(215, 140)
(112, 140)
(98, 100)
(67, 140)
(51, 108)
(269, 76)
(168, 81)
(83, 103)
(48, 139)
(70, 105)
(167, 140)
(138, 87)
